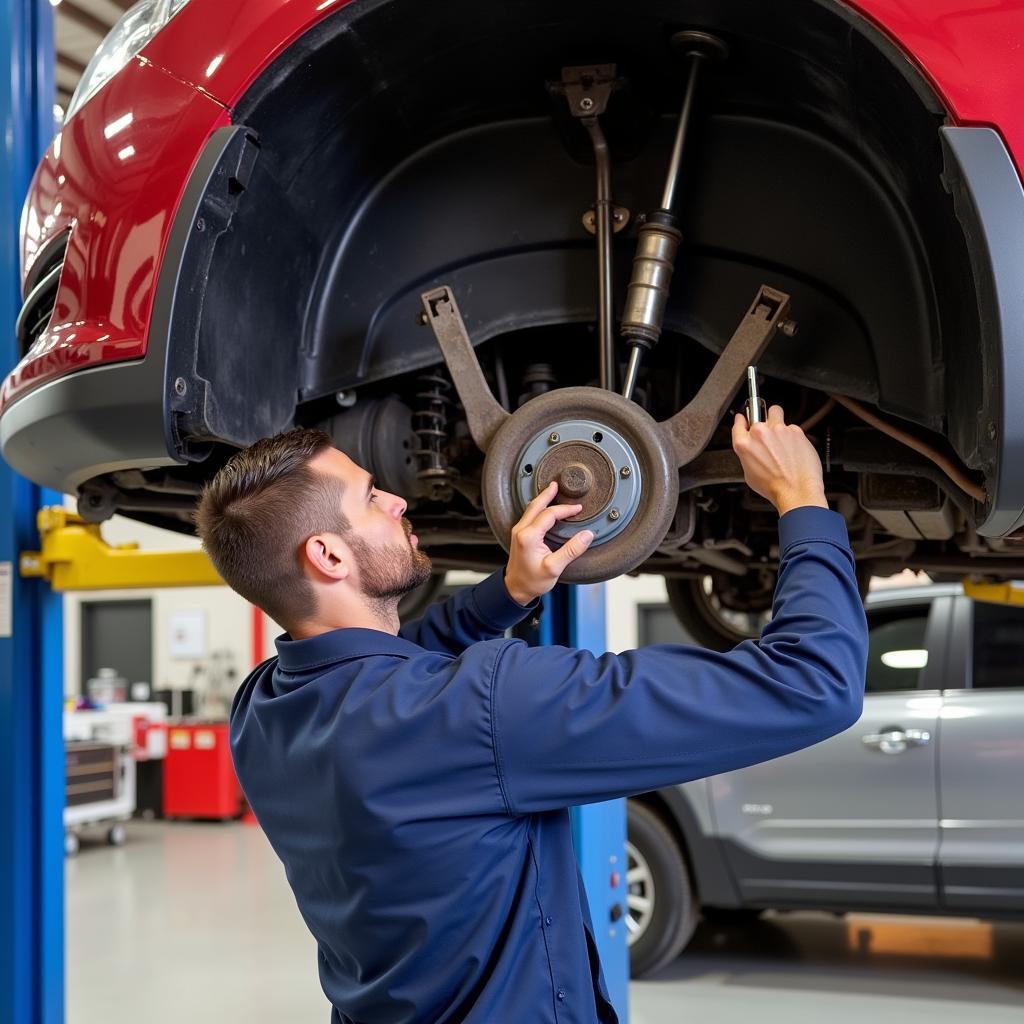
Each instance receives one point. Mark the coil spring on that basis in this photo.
(430, 423)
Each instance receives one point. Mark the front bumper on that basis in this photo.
(115, 182)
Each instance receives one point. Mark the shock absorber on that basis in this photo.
(430, 423)
(659, 238)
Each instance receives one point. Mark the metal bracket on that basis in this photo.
(75, 556)
(483, 413)
(691, 428)
(620, 218)
(588, 88)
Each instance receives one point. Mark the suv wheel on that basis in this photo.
(661, 909)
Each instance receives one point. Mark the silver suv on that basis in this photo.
(919, 808)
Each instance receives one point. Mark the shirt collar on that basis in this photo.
(339, 645)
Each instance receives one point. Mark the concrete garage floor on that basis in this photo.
(194, 922)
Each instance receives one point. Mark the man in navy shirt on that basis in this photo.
(415, 781)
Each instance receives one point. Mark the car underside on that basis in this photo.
(470, 154)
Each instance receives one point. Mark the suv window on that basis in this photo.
(998, 645)
(896, 650)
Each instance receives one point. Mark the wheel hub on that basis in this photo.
(606, 454)
(593, 465)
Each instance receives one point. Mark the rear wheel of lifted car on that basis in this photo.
(662, 908)
(719, 611)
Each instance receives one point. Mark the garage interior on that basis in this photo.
(138, 885)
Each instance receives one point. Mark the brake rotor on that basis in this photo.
(607, 454)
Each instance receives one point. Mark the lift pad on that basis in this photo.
(75, 556)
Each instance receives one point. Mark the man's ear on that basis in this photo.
(328, 556)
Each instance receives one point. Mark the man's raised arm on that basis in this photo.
(569, 727)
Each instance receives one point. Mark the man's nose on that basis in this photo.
(396, 506)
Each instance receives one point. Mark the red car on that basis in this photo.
(259, 212)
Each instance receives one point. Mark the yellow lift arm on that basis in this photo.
(995, 593)
(75, 556)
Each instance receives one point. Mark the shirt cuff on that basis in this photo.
(810, 523)
(495, 605)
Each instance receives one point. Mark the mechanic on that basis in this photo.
(415, 781)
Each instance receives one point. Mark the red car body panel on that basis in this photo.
(971, 53)
(113, 178)
(181, 89)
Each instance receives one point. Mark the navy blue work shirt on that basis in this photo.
(416, 786)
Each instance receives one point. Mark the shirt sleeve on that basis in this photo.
(481, 612)
(570, 727)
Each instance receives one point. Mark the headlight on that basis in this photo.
(136, 27)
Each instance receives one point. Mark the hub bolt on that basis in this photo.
(625, 472)
(613, 515)
(552, 438)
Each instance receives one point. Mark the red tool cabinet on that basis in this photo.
(199, 779)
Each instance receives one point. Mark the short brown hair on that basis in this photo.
(256, 514)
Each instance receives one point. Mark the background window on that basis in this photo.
(896, 650)
(998, 645)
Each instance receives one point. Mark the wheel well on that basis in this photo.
(816, 139)
(391, 159)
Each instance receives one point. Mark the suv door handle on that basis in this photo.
(897, 741)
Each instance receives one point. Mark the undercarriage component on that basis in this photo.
(691, 428)
(102, 498)
(647, 297)
(605, 451)
(483, 414)
(908, 506)
(659, 238)
(955, 473)
(430, 421)
(587, 90)
(378, 433)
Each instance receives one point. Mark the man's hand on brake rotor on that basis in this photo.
(779, 462)
(533, 568)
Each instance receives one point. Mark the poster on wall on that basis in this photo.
(188, 633)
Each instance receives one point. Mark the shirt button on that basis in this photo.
(547, 921)
(561, 993)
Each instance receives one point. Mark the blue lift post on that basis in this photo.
(574, 616)
(31, 627)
